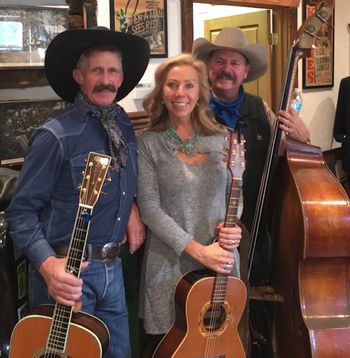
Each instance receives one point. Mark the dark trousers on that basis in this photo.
(151, 342)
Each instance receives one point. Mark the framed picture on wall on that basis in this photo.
(318, 67)
(26, 31)
(18, 120)
(144, 18)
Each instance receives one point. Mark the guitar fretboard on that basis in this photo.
(220, 283)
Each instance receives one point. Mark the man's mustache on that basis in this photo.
(223, 75)
(101, 88)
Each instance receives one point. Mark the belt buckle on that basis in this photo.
(105, 251)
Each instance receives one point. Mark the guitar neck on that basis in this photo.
(231, 217)
(236, 161)
(62, 314)
(78, 241)
(220, 283)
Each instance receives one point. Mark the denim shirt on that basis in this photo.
(43, 210)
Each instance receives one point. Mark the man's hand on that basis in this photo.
(294, 126)
(63, 287)
(135, 231)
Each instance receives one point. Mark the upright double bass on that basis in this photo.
(310, 229)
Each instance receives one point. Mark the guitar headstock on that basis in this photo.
(308, 32)
(236, 157)
(94, 177)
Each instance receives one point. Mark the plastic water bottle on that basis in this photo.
(296, 101)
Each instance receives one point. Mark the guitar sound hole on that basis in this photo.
(213, 318)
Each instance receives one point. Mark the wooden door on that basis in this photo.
(256, 27)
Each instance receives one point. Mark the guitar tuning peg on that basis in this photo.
(103, 192)
(79, 187)
(82, 173)
(226, 149)
(108, 180)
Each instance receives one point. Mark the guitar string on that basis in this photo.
(217, 301)
(209, 334)
(216, 304)
(210, 330)
(75, 256)
(220, 290)
(63, 312)
(210, 339)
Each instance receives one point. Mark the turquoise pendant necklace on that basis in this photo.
(187, 146)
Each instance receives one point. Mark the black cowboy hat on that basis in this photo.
(65, 49)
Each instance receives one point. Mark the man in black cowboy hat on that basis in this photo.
(91, 69)
(231, 62)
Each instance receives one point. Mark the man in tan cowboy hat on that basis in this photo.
(231, 62)
(92, 69)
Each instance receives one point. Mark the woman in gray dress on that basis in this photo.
(182, 190)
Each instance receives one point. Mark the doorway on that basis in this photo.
(283, 21)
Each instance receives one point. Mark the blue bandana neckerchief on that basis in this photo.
(228, 114)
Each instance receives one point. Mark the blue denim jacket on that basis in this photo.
(43, 210)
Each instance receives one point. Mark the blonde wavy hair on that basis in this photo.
(203, 118)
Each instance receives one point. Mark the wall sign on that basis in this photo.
(318, 67)
(144, 18)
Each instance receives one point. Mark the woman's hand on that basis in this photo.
(212, 256)
(229, 237)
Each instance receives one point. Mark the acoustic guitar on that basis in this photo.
(55, 331)
(208, 305)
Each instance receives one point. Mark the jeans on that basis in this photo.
(103, 297)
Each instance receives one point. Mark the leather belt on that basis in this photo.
(104, 253)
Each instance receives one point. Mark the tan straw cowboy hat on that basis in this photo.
(232, 38)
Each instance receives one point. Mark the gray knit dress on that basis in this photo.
(179, 202)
